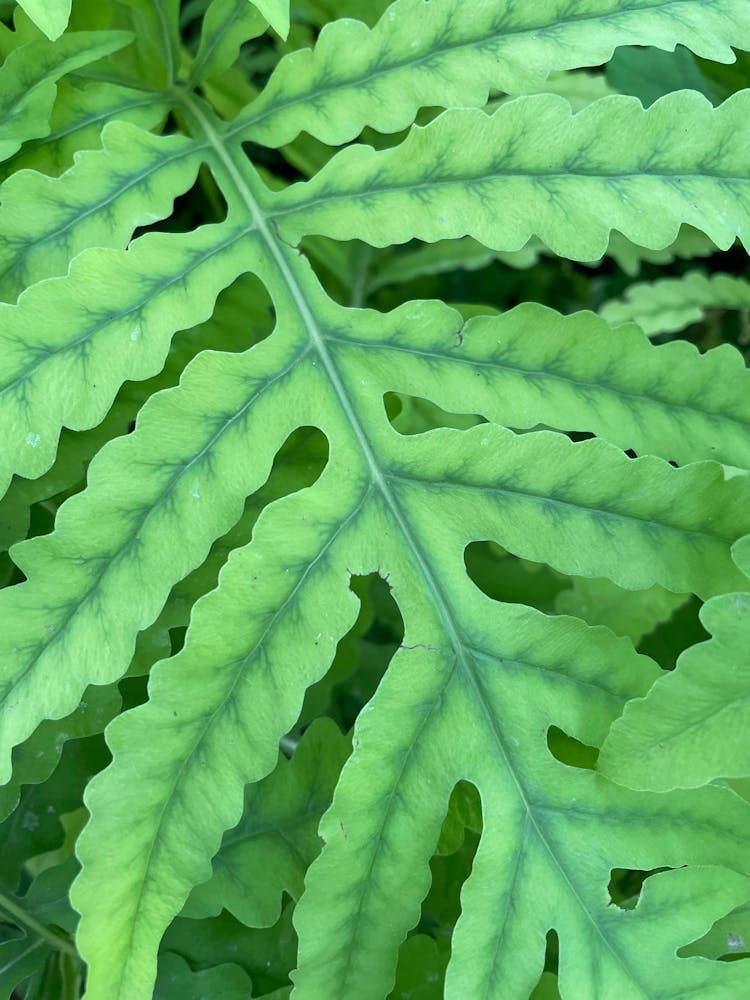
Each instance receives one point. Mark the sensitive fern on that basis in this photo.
(261, 485)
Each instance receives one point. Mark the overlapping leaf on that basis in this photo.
(28, 77)
(672, 304)
(691, 727)
(425, 53)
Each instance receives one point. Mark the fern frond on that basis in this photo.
(534, 169)
(672, 304)
(163, 283)
(423, 53)
(248, 496)
(80, 112)
(276, 12)
(226, 26)
(691, 727)
(518, 370)
(28, 81)
(407, 507)
(100, 201)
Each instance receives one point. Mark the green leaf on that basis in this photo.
(300, 553)
(515, 372)
(671, 304)
(270, 849)
(565, 822)
(690, 728)
(422, 54)
(35, 760)
(502, 180)
(28, 77)
(482, 696)
(227, 24)
(100, 201)
(276, 12)
(633, 613)
(177, 982)
(163, 283)
(80, 112)
(50, 16)
(649, 74)
(531, 476)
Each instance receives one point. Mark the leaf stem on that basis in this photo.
(20, 916)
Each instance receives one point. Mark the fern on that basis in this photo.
(264, 415)
(674, 303)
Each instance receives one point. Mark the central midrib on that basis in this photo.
(381, 483)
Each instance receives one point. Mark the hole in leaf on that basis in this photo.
(625, 885)
(267, 954)
(297, 465)
(203, 203)
(361, 659)
(670, 638)
(551, 956)
(414, 415)
(452, 864)
(571, 751)
(504, 577)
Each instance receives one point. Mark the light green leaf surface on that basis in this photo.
(671, 304)
(533, 169)
(303, 550)
(50, 16)
(226, 25)
(163, 283)
(423, 53)
(515, 371)
(45, 222)
(80, 112)
(531, 478)
(692, 726)
(539, 876)
(28, 77)
(276, 12)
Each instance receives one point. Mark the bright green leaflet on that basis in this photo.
(423, 52)
(477, 684)
(692, 725)
(276, 12)
(50, 16)
(28, 77)
(672, 304)
(496, 178)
